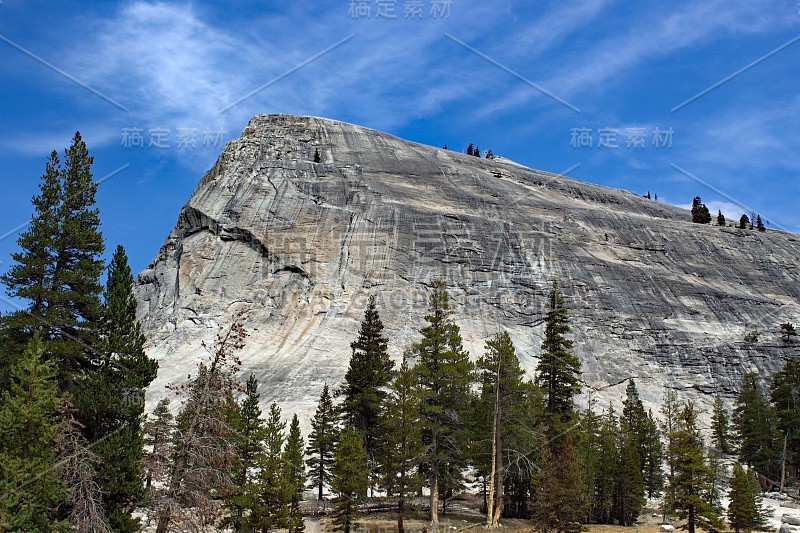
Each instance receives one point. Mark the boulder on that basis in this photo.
(792, 520)
(665, 528)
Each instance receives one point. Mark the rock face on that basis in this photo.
(302, 245)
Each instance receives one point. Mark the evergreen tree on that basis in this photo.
(502, 389)
(402, 447)
(444, 375)
(295, 474)
(322, 441)
(274, 490)
(316, 155)
(558, 369)
(720, 431)
(58, 267)
(470, 149)
(720, 218)
(477, 151)
(629, 483)
(744, 508)
(789, 331)
(700, 213)
(158, 435)
(760, 224)
(744, 222)
(691, 484)
(243, 501)
(785, 396)
(349, 479)
(365, 382)
(560, 501)
(110, 398)
(30, 485)
(653, 457)
(670, 409)
(754, 421)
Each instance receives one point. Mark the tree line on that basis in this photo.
(79, 454)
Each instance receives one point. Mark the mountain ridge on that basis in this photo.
(302, 245)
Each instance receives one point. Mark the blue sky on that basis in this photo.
(523, 78)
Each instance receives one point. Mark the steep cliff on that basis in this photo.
(303, 244)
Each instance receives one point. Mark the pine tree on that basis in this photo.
(402, 447)
(700, 213)
(444, 376)
(560, 501)
(274, 490)
(110, 398)
(502, 389)
(322, 441)
(785, 396)
(349, 479)
(470, 149)
(720, 218)
(242, 502)
(754, 422)
(760, 224)
(30, 486)
(670, 409)
(720, 431)
(158, 435)
(58, 268)
(367, 377)
(744, 508)
(690, 497)
(295, 474)
(788, 331)
(558, 369)
(744, 222)
(653, 457)
(629, 483)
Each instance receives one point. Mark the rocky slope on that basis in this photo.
(302, 245)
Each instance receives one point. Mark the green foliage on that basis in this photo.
(58, 267)
(754, 422)
(720, 218)
(788, 331)
(110, 398)
(322, 441)
(700, 213)
(745, 511)
(295, 474)
(785, 396)
(558, 369)
(402, 446)
(349, 479)
(274, 489)
(444, 375)
(31, 483)
(720, 427)
(243, 500)
(369, 373)
(760, 224)
(560, 502)
(690, 495)
(744, 222)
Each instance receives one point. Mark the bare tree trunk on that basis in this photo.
(435, 498)
(783, 462)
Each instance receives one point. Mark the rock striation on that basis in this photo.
(302, 245)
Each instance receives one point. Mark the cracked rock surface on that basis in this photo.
(302, 245)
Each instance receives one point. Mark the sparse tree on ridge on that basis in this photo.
(700, 213)
(720, 218)
(744, 222)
